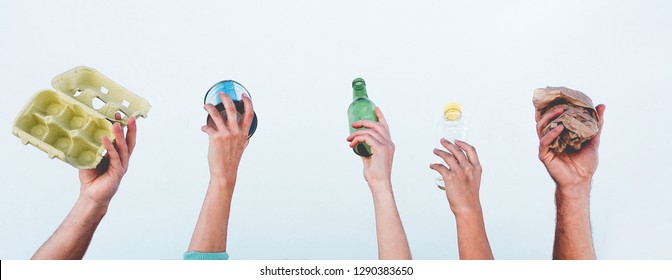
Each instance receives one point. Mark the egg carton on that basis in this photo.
(67, 122)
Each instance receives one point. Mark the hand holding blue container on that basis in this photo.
(234, 90)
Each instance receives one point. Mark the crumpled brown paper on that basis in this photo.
(579, 118)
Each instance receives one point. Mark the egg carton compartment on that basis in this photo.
(83, 153)
(58, 138)
(33, 126)
(96, 91)
(64, 127)
(95, 130)
(47, 103)
(71, 118)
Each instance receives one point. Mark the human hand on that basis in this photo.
(572, 172)
(228, 138)
(377, 167)
(462, 177)
(99, 185)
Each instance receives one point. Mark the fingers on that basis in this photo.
(546, 118)
(367, 138)
(444, 171)
(366, 123)
(230, 108)
(448, 158)
(231, 125)
(207, 129)
(546, 140)
(600, 118)
(115, 161)
(381, 118)
(215, 116)
(117, 116)
(456, 151)
(365, 133)
(472, 156)
(120, 142)
(600, 114)
(131, 132)
(380, 126)
(376, 126)
(248, 115)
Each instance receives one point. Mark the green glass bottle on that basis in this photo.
(361, 108)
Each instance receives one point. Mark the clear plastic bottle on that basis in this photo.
(452, 127)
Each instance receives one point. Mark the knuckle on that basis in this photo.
(478, 168)
(222, 135)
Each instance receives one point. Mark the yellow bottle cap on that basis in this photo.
(452, 111)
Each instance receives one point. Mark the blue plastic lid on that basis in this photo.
(232, 88)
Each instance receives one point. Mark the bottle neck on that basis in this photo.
(359, 93)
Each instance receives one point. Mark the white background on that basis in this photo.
(300, 191)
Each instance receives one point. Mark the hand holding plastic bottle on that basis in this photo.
(377, 167)
(462, 177)
(462, 183)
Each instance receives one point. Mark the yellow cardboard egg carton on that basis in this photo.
(68, 122)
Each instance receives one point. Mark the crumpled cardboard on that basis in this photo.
(579, 117)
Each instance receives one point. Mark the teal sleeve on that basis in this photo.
(193, 255)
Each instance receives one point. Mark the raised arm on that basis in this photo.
(572, 173)
(227, 141)
(392, 242)
(463, 181)
(98, 186)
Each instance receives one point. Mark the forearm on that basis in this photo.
(211, 229)
(573, 237)
(72, 238)
(472, 240)
(392, 242)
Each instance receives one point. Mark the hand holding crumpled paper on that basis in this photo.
(579, 117)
